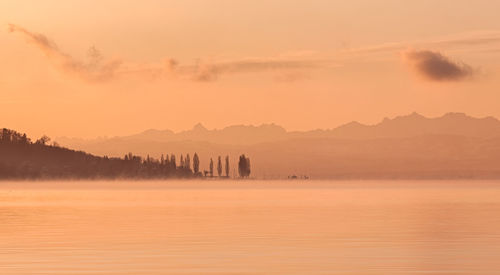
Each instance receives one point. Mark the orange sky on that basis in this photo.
(301, 64)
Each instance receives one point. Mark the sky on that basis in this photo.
(109, 68)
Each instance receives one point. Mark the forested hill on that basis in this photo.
(20, 158)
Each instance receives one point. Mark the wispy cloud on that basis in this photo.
(471, 39)
(95, 69)
(209, 71)
(99, 69)
(436, 67)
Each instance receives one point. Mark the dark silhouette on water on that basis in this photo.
(20, 158)
(219, 167)
(211, 167)
(244, 166)
(227, 167)
(196, 165)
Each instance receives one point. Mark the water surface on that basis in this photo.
(250, 227)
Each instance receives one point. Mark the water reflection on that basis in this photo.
(250, 228)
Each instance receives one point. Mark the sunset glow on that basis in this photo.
(88, 69)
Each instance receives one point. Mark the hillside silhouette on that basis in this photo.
(21, 158)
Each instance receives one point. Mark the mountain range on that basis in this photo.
(402, 126)
(454, 145)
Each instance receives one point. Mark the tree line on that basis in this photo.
(20, 157)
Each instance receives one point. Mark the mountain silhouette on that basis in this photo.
(402, 126)
(417, 125)
(236, 134)
(412, 146)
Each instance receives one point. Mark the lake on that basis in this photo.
(250, 227)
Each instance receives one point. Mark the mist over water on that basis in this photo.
(250, 227)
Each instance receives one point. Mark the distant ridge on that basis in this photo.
(416, 125)
(410, 125)
(412, 146)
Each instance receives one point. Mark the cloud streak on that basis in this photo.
(473, 39)
(202, 71)
(95, 70)
(436, 67)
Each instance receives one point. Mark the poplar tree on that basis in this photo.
(211, 167)
(219, 167)
(196, 164)
(227, 166)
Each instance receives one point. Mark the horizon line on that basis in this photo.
(200, 124)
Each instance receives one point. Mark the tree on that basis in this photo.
(211, 167)
(244, 166)
(182, 162)
(166, 165)
(241, 166)
(227, 166)
(196, 164)
(187, 162)
(43, 140)
(173, 164)
(219, 167)
(24, 139)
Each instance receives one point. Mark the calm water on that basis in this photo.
(253, 227)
